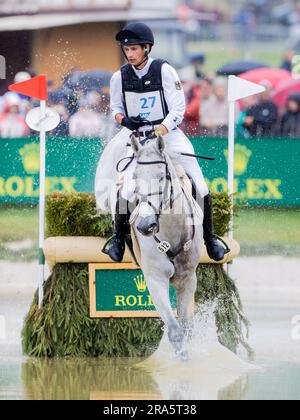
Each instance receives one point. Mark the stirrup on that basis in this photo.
(227, 249)
(105, 248)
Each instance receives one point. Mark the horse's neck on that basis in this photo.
(174, 224)
(177, 184)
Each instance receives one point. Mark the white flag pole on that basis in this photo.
(237, 89)
(231, 142)
(39, 119)
(42, 202)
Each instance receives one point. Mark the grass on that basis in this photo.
(220, 52)
(260, 231)
(17, 224)
(268, 231)
(268, 226)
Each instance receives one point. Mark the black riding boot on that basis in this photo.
(214, 249)
(121, 230)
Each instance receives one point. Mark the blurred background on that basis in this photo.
(73, 42)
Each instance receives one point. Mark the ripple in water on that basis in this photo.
(210, 366)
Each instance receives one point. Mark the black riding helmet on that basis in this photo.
(135, 34)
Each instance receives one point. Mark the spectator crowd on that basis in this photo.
(85, 113)
(256, 116)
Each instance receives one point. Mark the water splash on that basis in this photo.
(210, 367)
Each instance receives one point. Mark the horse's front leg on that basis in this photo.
(186, 288)
(158, 282)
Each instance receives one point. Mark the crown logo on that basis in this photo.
(140, 283)
(242, 157)
(30, 155)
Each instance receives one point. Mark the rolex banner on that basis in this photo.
(70, 167)
(266, 170)
(129, 297)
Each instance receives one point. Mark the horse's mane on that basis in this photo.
(172, 159)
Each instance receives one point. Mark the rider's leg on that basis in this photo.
(201, 194)
(106, 175)
(214, 249)
(178, 142)
(121, 229)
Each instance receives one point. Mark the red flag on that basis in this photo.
(35, 87)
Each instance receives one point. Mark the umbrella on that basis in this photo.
(236, 68)
(274, 76)
(88, 80)
(281, 94)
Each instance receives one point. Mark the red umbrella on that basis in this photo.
(281, 94)
(274, 76)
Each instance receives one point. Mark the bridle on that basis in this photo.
(164, 246)
(162, 192)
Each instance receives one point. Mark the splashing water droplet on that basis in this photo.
(209, 367)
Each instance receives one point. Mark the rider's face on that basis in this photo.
(134, 54)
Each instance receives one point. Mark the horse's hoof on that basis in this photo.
(183, 356)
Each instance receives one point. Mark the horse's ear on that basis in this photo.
(135, 144)
(160, 143)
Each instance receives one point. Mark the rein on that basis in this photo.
(164, 246)
(163, 193)
(131, 159)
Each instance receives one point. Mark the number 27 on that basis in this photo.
(145, 102)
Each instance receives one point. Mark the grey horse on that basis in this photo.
(169, 233)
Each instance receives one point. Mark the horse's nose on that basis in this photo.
(148, 229)
(153, 228)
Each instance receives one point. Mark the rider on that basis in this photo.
(148, 89)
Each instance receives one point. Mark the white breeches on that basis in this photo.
(107, 177)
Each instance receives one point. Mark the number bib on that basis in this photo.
(148, 105)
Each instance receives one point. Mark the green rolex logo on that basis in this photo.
(30, 155)
(242, 158)
(140, 283)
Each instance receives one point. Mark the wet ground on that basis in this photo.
(270, 290)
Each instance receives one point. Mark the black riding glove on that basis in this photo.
(132, 123)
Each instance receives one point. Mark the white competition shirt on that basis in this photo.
(173, 92)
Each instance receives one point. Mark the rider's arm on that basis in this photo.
(116, 97)
(174, 97)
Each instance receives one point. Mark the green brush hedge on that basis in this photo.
(75, 215)
(63, 326)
